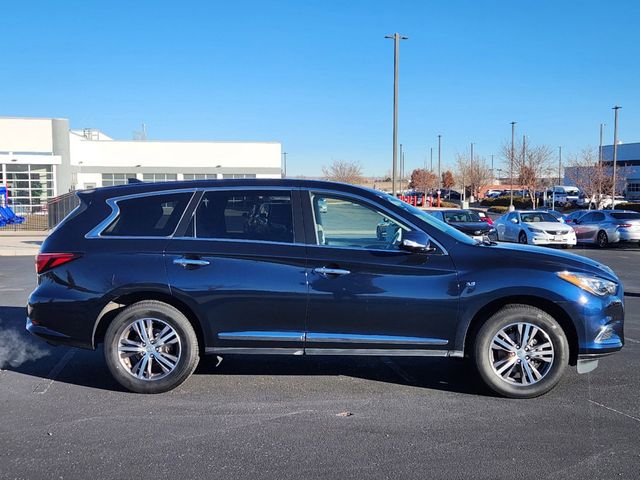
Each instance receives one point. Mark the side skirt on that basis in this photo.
(375, 352)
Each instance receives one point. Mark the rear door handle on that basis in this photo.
(190, 262)
(331, 271)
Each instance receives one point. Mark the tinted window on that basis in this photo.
(598, 217)
(586, 218)
(150, 216)
(626, 216)
(342, 222)
(461, 216)
(256, 215)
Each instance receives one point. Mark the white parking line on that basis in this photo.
(42, 387)
(616, 411)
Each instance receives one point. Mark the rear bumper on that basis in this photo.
(53, 337)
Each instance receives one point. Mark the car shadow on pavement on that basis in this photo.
(21, 353)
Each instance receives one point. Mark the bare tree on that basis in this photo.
(476, 175)
(593, 178)
(343, 171)
(531, 165)
(423, 180)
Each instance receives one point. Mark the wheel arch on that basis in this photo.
(548, 306)
(111, 310)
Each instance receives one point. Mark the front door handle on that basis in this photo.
(190, 262)
(331, 271)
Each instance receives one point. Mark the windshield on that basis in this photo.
(461, 216)
(430, 219)
(535, 217)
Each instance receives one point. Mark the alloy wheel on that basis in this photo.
(149, 349)
(521, 354)
(602, 239)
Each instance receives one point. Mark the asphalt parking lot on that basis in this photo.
(62, 416)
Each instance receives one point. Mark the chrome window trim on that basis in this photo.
(384, 339)
(374, 206)
(96, 232)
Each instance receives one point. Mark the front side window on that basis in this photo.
(341, 222)
(148, 216)
(253, 215)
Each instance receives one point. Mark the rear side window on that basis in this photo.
(626, 216)
(148, 216)
(254, 215)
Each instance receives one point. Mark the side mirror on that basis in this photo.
(514, 220)
(416, 242)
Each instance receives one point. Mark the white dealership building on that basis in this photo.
(41, 158)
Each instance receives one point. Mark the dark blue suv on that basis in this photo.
(164, 273)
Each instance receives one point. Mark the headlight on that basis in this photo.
(535, 230)
(597, 286)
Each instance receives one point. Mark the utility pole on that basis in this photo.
(439, 158)
(493, 173)
(396, 58)
(513, 140)
(615, 155)
(524, 161)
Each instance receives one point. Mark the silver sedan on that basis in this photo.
(602, 227)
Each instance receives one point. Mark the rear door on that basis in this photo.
(240, 264)
(366, 296)
(587, 229)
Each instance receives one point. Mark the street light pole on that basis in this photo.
(615, 155)
(431, 159)
(439, 158)
(513, 141)
(396, 58)
(401, 167)
(602, 125)
(559, 165)
(471, 173)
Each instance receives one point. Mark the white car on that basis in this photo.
(536, 228)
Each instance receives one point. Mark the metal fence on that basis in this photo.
(60, 206)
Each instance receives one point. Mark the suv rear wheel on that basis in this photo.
(521, 352)
(150, 347)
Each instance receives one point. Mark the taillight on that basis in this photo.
(47, 261)
(625, 225)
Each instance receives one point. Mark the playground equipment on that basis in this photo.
(7, 215)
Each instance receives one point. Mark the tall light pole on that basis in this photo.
(439, 158)
(493, 174)
(284, 156)
(602, 125)
(513, 153)
(559, 165)
(615, 154)
(396, 58)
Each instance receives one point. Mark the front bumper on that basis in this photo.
(547, 239)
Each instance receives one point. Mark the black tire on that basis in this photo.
(164, 314)
(602, 240)
(522, 238)
(506, 318)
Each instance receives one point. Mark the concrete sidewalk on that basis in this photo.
(20, 243)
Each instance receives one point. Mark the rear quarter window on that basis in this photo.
(148, 216)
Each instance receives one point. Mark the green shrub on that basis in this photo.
(634, 207)
(449, 205)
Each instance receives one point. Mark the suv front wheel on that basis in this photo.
(521, 352)
(150, 347)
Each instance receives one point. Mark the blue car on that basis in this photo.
(162, 274)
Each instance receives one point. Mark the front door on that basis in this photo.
(366, 295)
(240, 267)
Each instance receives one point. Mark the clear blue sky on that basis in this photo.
(317, 75)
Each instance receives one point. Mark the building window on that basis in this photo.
(29, 186)
(159, 177)
(200, 176)
(633, 187)
(238, 175)
(113, 179)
